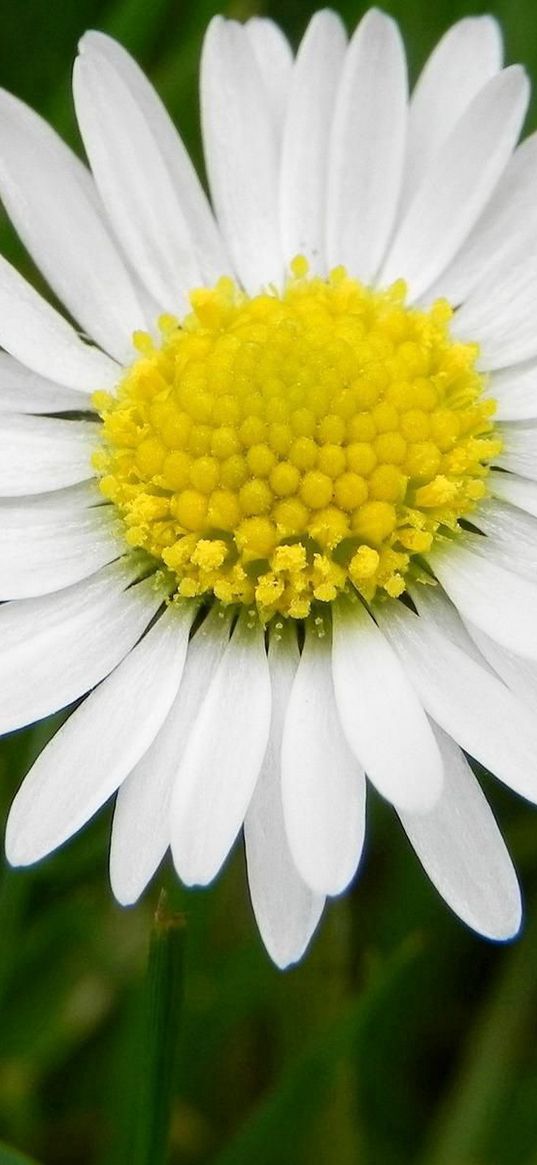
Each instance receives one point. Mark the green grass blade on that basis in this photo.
(164, 994)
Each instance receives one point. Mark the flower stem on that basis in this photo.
(163, 1001)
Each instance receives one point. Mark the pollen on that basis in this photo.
(280, 449)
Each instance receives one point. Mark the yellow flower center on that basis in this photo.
(278, 450)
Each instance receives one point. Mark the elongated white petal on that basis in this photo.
(133, 180)
(458, 183)
(41, 453)
(323, 785)
(516, 556)
(56, 217)
(85, 762)
(222, 759)
(466, 57)
(41, 339)
(141, 826)
(519, 674)
(241, 153)
(516, 490)
(501, 603)
(367, 147)
(286, 910)
(204, 236)
(54, 551)
(57, 647)
(499, 314)
(52, 610)
(304, 166)
(511, 537)
(433, 602)
(23, 391)
(382, 717)
(68, 502)
(493, 244)
(462, 850)
(515, 392)
(274, 59)
(469, 703)
(519, 453)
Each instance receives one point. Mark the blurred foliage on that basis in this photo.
(403, 1038)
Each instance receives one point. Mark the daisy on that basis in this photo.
(269, 503)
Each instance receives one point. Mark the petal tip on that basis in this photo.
(17, 849)
(507, 928)
(125, 894)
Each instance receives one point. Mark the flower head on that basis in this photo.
(274, 506)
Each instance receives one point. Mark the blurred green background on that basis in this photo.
(403, 1037)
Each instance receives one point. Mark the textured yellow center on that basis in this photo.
(280, 449)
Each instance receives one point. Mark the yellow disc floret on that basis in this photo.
(281, 449)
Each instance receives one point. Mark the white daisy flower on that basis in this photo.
(272, 511)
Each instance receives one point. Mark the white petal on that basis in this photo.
(381, 715)
(459, 182)
(204, 236)
(501, 521)
(431, 601)
(41, 453)
(141, 826)
(367, 147)
(515, 391)
(466, 57)
(45, 194)
(305, 165)
(54, 551)
(23, 391)
(507, 225)
(500, 314)
(511, 537)
(519, 674)
(519, 453)
(223, 758)
(241, 153)
(58, 647)
(69, 501)
(515, 490)
(274, 59)
(133, 180)
(286, 910)
(501, 603)
(469, 703)
(462, 850)
(323, 785)
(85, 762)
(41, 339)
(514, 556)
